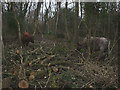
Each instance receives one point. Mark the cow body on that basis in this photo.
(26, 38)
(101, 44)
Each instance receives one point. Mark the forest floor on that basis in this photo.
(50, 63)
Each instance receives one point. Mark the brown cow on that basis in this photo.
(26, 38)
(101, 44)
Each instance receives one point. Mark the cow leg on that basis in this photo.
(101, 52)
(102, 55)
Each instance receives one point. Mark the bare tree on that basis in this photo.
(76, 22)
(81, 9)
(18, 24)
(47, 16)
(58, 11)
(36, 14)
(66, 23)
(3, 48)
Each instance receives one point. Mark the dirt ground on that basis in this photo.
(56, 64)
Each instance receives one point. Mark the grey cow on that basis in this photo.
(101, 44)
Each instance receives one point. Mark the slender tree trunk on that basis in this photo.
(29, 7)
(108, 22)
(42, 19)
(58, 10)
(8, 6)
(76, 22)
(18, 24)
(21, 3)
(89, 30)
(3, 48)
(25, 8)
(57, 22)
(48, 24)
(37, 11)
(81, 9)
(66, 23)
(23, 11)
(46, 18)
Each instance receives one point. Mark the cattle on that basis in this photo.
(101, 44)
(26, 38)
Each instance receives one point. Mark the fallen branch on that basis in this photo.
(88, 83)
(48, 77)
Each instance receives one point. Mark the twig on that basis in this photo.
(47, 82)
(14, 62)
(48, 78)
(21, 59)
(113, 46)
(40, 84)
(24, 73)
(26, 60)
(36, 60)
(112, 49)
(78, 64)
(87, 83)
(34, 50)
(80, 54)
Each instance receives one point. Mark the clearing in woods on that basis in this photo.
(56, 63)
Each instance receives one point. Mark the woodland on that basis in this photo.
(53, 60)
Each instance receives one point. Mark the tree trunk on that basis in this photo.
(81, 9)
(25, 8)
(48, 22)
(108, 21)
(37, 11)
(8, 6)
(45, 17)
(76, 22)
(3, 48)
(58, 10)
(18, 24)
(66, 23)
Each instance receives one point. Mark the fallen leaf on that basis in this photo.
(49, 64)
(39, 70)
(30, 63)
(32, 73)
(23, 84)
(16, 70)
(38, 58)
(50, 57)
(15, 73)
(55, 69)
(91, 86)
(31, 77)
(41, 62)
(73, 78)
(18, 51)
